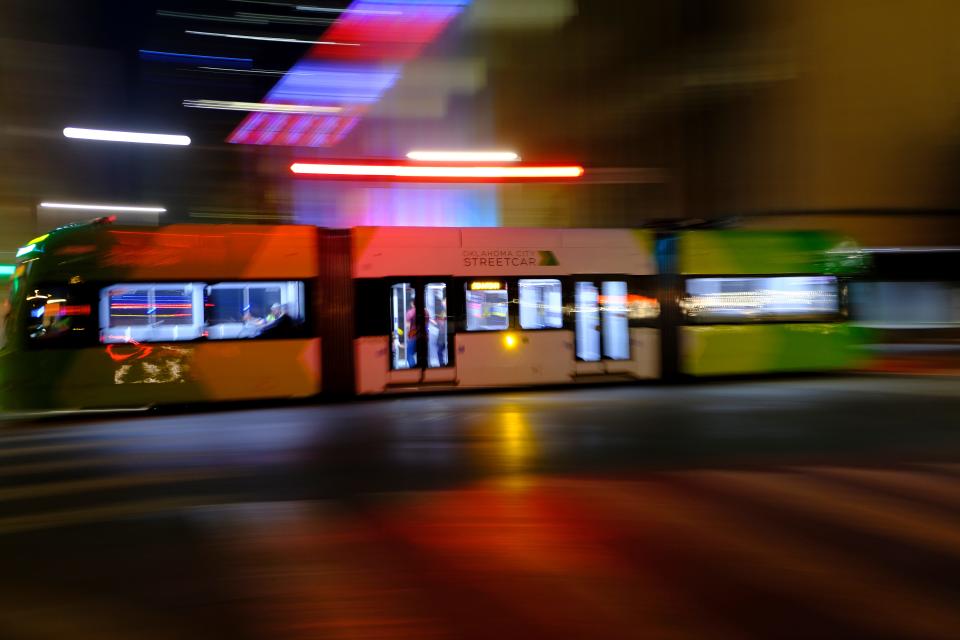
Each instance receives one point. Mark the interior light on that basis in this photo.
(439, 172)
(485, 286)
(509, 340)
(106, 135)
(463, 156)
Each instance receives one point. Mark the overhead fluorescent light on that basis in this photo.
(107, 135)
(102, 207)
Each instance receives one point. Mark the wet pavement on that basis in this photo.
(814, 507)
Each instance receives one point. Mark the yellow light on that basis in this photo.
(485, 286)
(39, 239)
(510, 341)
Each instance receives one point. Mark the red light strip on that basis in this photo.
(75, 310)
(435, 172)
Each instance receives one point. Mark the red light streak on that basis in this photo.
(76, 250)
(434, 173)
(140, 351)
(170, 305)
(75, 310)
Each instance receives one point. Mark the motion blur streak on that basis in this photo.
(169, 56)
(389, 37)
(107, 135)
(211, 18)
(102, 207)
(234, 105)
(351, 10)
(687, 512)
(463, 156)
(240, 36)
(439, 172)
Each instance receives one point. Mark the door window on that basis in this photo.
(435, 299)
(587, 314)
(616, 332)
(403, 338)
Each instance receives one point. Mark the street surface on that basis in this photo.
(789, 508)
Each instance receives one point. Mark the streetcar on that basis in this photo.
(108, 316)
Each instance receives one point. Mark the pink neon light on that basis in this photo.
(386, 32)
(393, 36)
(440, 172)
(133, 305)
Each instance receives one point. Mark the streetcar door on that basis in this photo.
(601, 325)
(420, 340)
(437, 354)
(403, 352)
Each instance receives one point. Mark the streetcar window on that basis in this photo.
(55, 315)
(151, 312)
(254, 309)
(487, 304)
(753, 299)
(173, 306)
(130, 307)
(224, 305)
(541, 304)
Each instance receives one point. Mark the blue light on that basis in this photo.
(352, 204)
(7, 269)
(38, 312)
(310, 82)
(168, 56)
